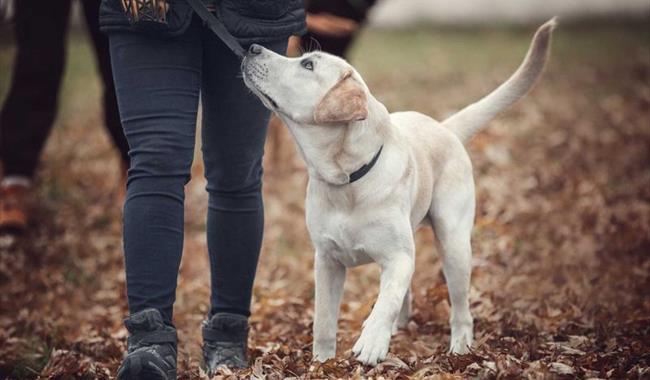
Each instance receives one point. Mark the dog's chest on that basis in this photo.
(340, 234)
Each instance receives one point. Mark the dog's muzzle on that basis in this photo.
(255, 72)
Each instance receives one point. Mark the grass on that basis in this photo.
(429, 58)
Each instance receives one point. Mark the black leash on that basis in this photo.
(357, 175)
(217, 27)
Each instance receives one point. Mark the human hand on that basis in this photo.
(327, 24)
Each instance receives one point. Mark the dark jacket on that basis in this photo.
(248, 20)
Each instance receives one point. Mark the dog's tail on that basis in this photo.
(472, 118)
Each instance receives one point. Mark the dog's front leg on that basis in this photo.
(329, 277)
(404, 314)
(372, 346)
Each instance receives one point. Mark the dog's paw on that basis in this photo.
(461, 339)
(372, 346)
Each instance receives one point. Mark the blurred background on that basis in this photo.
(562, 236)
(478, 12)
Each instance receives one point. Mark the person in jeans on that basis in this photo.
(161, 72)
(29, 110)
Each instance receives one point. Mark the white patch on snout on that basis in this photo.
(255, 76)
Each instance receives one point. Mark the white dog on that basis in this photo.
(374, 177)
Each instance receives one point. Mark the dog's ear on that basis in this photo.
(345, 102)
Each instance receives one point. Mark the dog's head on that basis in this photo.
(316, 88)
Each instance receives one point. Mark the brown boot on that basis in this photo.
(14, 213)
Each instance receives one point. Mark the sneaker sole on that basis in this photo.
(149, 372)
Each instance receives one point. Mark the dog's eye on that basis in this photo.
(307, 64)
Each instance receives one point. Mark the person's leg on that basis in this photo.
(111, 113)
(157, 83)
(234, 130)
(29, 110)
(30, 107)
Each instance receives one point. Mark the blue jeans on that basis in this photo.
(158, 82)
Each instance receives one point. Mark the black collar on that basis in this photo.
(359, 173)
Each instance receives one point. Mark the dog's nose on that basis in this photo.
(255, 49)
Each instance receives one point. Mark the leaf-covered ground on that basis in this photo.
(561, 245)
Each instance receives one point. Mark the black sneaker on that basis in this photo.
(151, 348)
(225, 340)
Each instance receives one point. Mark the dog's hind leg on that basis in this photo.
(329, 278)
(452, 215)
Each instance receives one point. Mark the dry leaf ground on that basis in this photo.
(561, 244)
